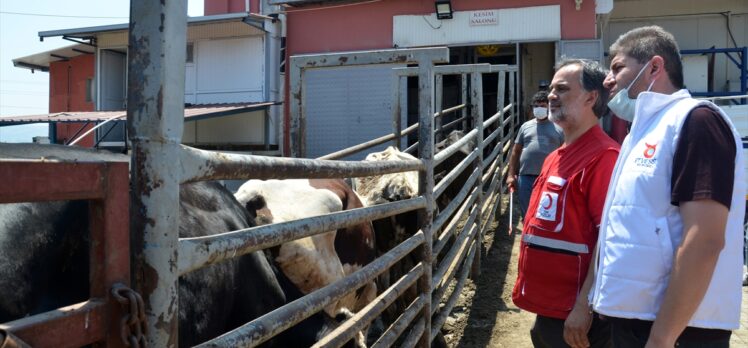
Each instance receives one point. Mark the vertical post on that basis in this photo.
(426, 186)
(155, 113)
(438, 93)
(110, 235)
(744, 73)
(500, 94)
(396, 119)
(463, 100)
(296, 108)
(476, 89)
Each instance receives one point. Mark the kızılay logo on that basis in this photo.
(649, 152)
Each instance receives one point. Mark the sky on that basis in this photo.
(24, 93)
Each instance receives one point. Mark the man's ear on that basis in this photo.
(591, 98)
(657, 67)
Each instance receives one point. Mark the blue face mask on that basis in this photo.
(622, 105)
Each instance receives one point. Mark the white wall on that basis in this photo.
(226, 71)
(695, 25)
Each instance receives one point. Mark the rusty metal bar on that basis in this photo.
(56, 328)
(198, 252)
(455, 254)
(451, 149)
(300, 63)
(396, 110)
(358, 148)
(438, 105)
(28, 180)
(442, 217)
(477, 90)
(199, 165)
(440, 290)
(366, 315)
(454, 173)
(444, 313)
(452, 225)
(426, 187)
(416, 332)
(463, 99)
(155, 117)
(393, 332)
(452, 124)
(265, 327)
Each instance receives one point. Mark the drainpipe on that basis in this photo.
(155, 111)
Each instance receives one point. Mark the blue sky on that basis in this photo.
(24, 93)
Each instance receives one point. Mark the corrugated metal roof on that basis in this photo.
(87, 32)
(191, 113)
(40, 61)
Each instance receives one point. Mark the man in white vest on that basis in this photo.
(669, 263)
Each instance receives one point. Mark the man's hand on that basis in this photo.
(577, 325)
(511, 181)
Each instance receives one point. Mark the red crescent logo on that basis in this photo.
(649, 152)
(550, 202)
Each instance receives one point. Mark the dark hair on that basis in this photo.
(646, 42)
(540, 97)
(591, 79)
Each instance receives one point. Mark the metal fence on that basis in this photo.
(104, 185)
(160, 164)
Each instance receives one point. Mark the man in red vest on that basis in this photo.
(561, 225)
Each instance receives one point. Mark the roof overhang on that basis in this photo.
(40, 61)
(191, 113)
(90, 33)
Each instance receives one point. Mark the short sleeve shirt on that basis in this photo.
(704, 159)
(537, 139)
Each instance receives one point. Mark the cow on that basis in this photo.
(314, 262)
(44, 250)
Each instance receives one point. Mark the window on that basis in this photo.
(190, 52)
(89, 90)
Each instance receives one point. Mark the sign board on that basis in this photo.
(484, 17)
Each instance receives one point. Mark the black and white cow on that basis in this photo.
(44, 261)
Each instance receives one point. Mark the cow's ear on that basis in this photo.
(255, 204)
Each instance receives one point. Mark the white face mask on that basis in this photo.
(622, 105)
(540, 112)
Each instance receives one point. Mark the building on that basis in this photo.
(232, 98)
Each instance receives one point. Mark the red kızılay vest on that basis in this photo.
(560, 232)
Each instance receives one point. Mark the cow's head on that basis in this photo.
(388, 187)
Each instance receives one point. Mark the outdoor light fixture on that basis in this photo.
(443, 9)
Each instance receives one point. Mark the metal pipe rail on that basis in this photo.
(415, 333)
(442, 217)
(452, 124)
(394, 331)
(452, 149)
(200, 165)
(454, 173)
(452, 226)
(464, 271)
(440, 289)
(366, 315)
(267, 326)
(198, 252)
(455, 254)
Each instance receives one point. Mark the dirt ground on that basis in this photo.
(485, 316)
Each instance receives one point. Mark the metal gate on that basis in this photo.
(160, 163)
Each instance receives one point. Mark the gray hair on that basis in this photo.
(646, 42)
(592, 77)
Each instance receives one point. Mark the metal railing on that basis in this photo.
(104, 185)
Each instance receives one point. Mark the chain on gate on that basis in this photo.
(133, 325)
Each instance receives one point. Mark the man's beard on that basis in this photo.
(558, 116)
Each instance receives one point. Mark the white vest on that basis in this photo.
(640, 229)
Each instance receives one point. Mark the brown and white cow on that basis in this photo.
(314, 262)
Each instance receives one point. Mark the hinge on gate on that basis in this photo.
(133, 325)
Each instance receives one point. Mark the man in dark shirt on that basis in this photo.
(669, 265)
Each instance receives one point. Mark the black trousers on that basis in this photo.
(549, 333)
(626, 335)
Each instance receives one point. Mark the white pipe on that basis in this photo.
(246, 6)
(93, 129)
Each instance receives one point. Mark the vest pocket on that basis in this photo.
(549, 210)
(550, 279)
(663, 233)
